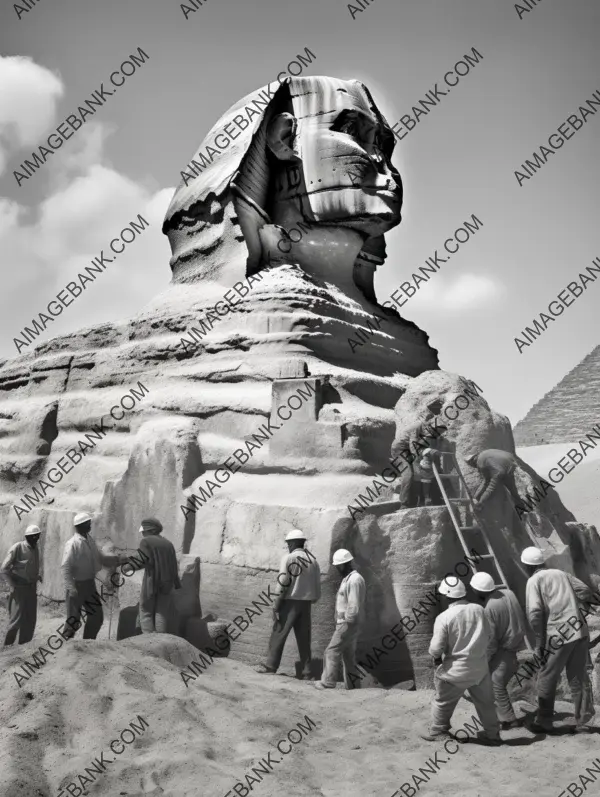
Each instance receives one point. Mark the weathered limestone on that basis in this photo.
(269, 341)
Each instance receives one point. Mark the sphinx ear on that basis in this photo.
(281, 134)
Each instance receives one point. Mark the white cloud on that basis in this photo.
(48, 245)
(467, 291)
(28, 97)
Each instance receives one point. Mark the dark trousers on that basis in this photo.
(155, 610)
(88, 601)
(294, 614)
(22, 609)
(574, 657)
(406, 486)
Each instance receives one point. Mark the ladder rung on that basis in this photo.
(469, 528)
(459, 500)
(487, 556)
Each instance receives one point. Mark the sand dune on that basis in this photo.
(202, 739)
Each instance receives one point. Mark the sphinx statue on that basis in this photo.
(275, 238)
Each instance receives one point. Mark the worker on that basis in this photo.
(349, 617)
(508, 629)
(21, 569)
(561, 639)
(496, 467)
(80, 563)
(299, 582)
(461, 635)
(425, 475)
(161, 578)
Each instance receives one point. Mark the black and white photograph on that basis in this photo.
(299, 398)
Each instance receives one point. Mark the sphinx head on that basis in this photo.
(319, 150)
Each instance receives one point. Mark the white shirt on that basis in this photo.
(461, 634)
(350, 599)
(299, 576)
(81, 560)
(551, 601)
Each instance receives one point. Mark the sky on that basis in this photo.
(536, 68)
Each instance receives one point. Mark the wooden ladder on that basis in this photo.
(466, 498)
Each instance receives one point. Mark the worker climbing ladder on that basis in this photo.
(465, 499)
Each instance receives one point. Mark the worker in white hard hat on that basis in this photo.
(508, 629)
(299, 582)
(561, 639)
(80, 563)
(21, 570)
(349, 617)
(461, 635)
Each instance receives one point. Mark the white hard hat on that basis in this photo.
(295, 534)
(532, 556)
(81, 517)
(451, 590)
(31, 530)
(482, 582)
(341, 556)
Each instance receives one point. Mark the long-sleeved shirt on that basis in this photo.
(409, 442)
(160, 569)
(350, 599)
(494, 464)
(461, 635)
(81, 560)
(506, 621)
(306, 584)
(551, 599)
(21, 565)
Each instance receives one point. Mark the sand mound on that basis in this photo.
(204, 738)
(579, 489)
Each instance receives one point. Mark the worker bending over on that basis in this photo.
(299, 582)
(349, 617)
(553, 613)
(497, 467)
(21, 569)
(461, 635)
(507, 632)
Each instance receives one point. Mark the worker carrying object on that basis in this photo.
(80, 563)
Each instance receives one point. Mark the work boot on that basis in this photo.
(436, 736)
(509, 725)
(489, 741)
(321, 685)
(262, 669)
(539, 726)
(584, 729)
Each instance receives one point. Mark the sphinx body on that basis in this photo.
(316, 156)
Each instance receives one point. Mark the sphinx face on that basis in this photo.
(345, 147)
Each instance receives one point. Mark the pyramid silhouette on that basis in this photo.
(569, 411)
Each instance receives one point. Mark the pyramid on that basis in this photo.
(568, 411)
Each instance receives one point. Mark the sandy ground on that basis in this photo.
(202, 739)
(579, 489)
